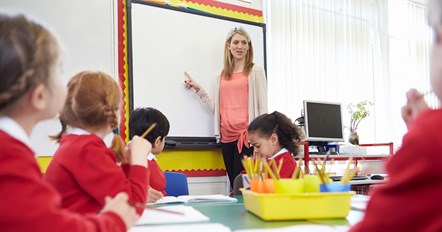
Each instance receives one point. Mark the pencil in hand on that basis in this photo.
(148, 130)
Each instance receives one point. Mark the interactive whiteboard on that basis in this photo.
(163, 43)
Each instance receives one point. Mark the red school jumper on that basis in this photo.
(410, 200)
(84, 171)
(30, 204)
(157, 180)
(288, 165)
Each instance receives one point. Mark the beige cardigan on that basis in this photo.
(257, 97)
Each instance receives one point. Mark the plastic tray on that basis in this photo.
(278, 207)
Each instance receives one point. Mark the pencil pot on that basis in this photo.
(289, 186)
(334, 187)
(256, 185)
(268, 186)
(311, 183)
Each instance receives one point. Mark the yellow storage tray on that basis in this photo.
(278, 207)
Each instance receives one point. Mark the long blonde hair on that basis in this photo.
(93, 101)
(228, 57)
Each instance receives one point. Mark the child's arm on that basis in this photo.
(153, 195)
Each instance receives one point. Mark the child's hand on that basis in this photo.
(154, 195)
(414, 106)
(138, 148)
(121, 207)
(190, 83)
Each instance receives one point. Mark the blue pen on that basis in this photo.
(326, 155)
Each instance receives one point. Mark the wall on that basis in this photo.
(87, 31)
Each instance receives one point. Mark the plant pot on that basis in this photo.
(354, 138)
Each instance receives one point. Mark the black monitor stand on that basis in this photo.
(321, 146)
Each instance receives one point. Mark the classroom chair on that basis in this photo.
(176, 184)
(237, 184)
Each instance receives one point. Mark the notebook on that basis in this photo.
(203, 227)
(195, 199)
(188, 214)
(359, 202)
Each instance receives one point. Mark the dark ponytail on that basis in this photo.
(276, 122)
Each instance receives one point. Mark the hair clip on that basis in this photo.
(116, 131)
(234, 30)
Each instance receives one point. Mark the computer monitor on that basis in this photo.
(323, 121)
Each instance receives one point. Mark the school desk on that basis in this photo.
(235, 216)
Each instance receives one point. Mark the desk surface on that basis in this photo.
(235, 216)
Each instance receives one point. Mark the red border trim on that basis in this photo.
(121, 63)
(228, 6)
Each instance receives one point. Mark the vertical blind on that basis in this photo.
(341, 51)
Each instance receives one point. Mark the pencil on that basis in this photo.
(347, 170)
(279, 167)
(269, 170)
(273, 163)
(148, 130)
(321, 177)
(246, 167)
(295, 174)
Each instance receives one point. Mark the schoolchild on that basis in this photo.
(31, 90)
(274, 137)
(83, 169)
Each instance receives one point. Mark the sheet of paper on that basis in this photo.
(359, 202)
(207, 198)
(301, 228)
(204, 227)
(194, 199)
(189, 214)
(167, 200)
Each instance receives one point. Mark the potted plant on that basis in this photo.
(357, 113)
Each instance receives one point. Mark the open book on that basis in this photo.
(171, 214)
(195, 199)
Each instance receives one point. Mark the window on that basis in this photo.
(347, 51)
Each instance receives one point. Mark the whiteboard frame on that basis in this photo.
(186, 142)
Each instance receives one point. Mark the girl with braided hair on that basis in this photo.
(83, 169)
(31, 90)
(274, 136)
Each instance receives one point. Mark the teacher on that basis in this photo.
(240, 97)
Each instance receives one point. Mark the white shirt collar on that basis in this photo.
(14, 129)
(76, 131)
(151, 157)
(279, 153)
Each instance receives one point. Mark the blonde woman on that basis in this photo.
(240, 97)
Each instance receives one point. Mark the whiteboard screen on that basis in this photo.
(167, 42)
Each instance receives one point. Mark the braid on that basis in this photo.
(118, 144)
(117, 147)
(27, 53)
(58, 136)
(18, 89)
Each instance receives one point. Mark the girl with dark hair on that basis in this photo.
(274, 136)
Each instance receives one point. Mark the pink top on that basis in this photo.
(234, 93)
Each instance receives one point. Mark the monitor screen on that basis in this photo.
(323, 121)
